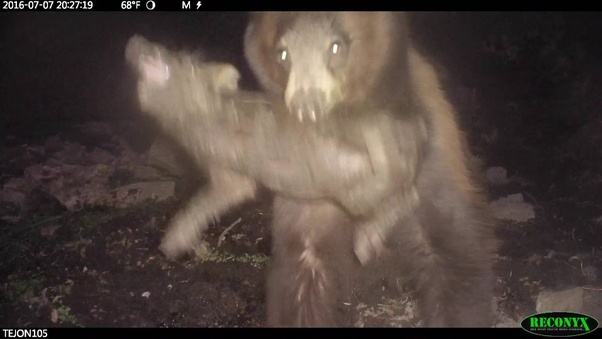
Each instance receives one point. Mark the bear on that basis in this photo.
(360, 67)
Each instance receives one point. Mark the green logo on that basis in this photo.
(559, 324)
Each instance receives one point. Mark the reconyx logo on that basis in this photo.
(559, 324)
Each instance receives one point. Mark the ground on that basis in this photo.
(101, 266)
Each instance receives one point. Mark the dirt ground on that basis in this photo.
(100, 267)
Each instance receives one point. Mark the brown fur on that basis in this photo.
(443, 247)
(394, 134)
(312, 256)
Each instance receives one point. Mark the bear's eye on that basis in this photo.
(335, 48)
(282, 55)
(337, 58)
(283, 58)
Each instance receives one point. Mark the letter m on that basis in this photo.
(185, 4)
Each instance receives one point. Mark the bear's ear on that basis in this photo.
(260, 51)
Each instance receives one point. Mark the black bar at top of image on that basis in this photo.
(265, 5)
(268, 5)
(245, 5)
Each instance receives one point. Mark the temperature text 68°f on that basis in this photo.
(131, 5)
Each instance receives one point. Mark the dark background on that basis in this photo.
(59, 68)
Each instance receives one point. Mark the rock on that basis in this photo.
(78, 175)
(162, 154)
(560, 301)
(146, 173)
(138, 192)
(504, 321)
(513, 208)
(13, 197)
(100, 156)
(587, 300)
(77, 197)
(19, 184)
